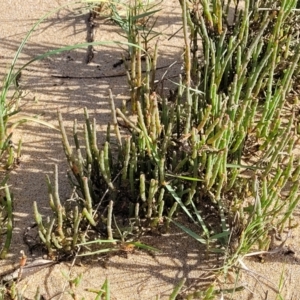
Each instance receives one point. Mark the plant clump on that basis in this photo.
(223, 147)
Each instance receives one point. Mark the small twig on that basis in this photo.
(254, 274)
(175, 33)
(166, 72)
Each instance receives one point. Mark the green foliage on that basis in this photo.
(223, 147)
(68, 226)
(242, 112)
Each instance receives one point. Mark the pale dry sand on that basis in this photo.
(140, 276)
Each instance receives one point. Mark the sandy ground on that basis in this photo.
(139, 276)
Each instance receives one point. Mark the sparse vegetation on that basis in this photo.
(223, 146)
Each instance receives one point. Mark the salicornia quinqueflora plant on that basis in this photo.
(243, 129)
